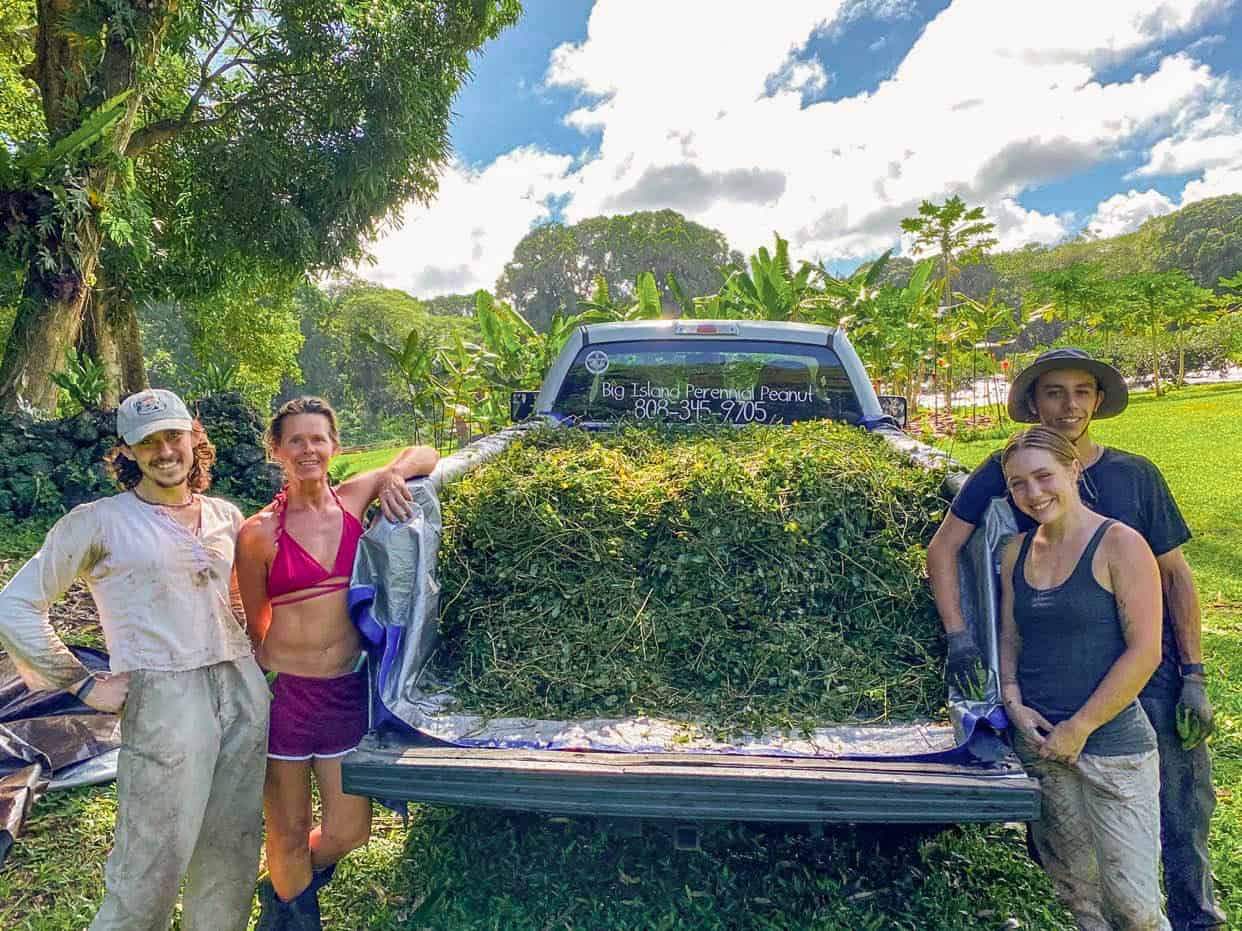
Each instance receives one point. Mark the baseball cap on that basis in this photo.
(148, 412)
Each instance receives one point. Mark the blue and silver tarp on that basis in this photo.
(394, 600)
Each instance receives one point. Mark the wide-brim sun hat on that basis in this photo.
(1116, 394)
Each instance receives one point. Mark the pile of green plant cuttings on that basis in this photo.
(742, 579)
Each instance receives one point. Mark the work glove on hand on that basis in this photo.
(964, 668)
(1194, 713)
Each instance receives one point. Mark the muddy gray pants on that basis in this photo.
(1098, 837)
(189, 799)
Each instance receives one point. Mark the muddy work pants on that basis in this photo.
(189, 799)
(1098, 837)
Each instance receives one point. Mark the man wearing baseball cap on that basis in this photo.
(1066, 389)
(158, 560)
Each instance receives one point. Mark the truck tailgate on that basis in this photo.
(692, 786)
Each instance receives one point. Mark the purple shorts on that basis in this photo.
(316, 717)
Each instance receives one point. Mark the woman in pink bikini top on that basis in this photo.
(294, 561)
(295, 575)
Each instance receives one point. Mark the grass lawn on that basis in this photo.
(472, 869)
(348, 465)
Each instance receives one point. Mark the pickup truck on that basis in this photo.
(676, 372)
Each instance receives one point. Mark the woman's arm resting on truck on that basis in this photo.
(388, 483)
(1135, 580)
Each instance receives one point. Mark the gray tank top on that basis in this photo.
(1071, 637)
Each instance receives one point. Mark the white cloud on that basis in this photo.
(461, 242)
(1016, 226)
(992, 100)
(1199, 142)
(1214, 183)
(1021, 109)
(1123, 213)
(806, 76)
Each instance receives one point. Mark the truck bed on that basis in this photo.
(692, 786)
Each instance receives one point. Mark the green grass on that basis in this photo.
(347, 465)
(18, 539)
(475, 869)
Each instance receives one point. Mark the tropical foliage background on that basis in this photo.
(186, 191)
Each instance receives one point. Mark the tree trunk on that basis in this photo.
(36, 349)
(1155, 359)
(53, 305)
(947, 299)
(48, 321)
(111, 336)
(974, 386)
(1181, 360)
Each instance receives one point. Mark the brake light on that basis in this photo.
(693, 328)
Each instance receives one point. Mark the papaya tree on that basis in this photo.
(1077, 294)
(958, 235)
(1157, 301)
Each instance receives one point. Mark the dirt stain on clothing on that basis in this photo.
(94, 555)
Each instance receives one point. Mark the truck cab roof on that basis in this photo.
(780, 331)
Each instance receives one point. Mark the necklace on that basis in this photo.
(161, 504)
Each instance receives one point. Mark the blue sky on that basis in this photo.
(829, 120)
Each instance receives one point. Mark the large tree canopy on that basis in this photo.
(339, 363)
(285, 130)
(554, 266)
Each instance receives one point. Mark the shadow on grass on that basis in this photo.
(482, 869)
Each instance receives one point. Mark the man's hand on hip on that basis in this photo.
(107, 693)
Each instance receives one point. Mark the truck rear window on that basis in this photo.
(701, 381)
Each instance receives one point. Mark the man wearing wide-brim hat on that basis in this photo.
(1066, 389)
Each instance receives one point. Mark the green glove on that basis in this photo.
(1195, 720)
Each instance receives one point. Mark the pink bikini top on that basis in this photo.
(297, 573)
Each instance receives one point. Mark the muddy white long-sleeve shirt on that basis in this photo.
(161, 590)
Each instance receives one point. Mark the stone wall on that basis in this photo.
(48, 467)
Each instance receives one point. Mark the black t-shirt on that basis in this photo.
(1119, 485)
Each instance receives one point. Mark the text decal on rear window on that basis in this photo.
(736, 381)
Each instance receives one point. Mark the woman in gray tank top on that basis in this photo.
(1080, 637)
